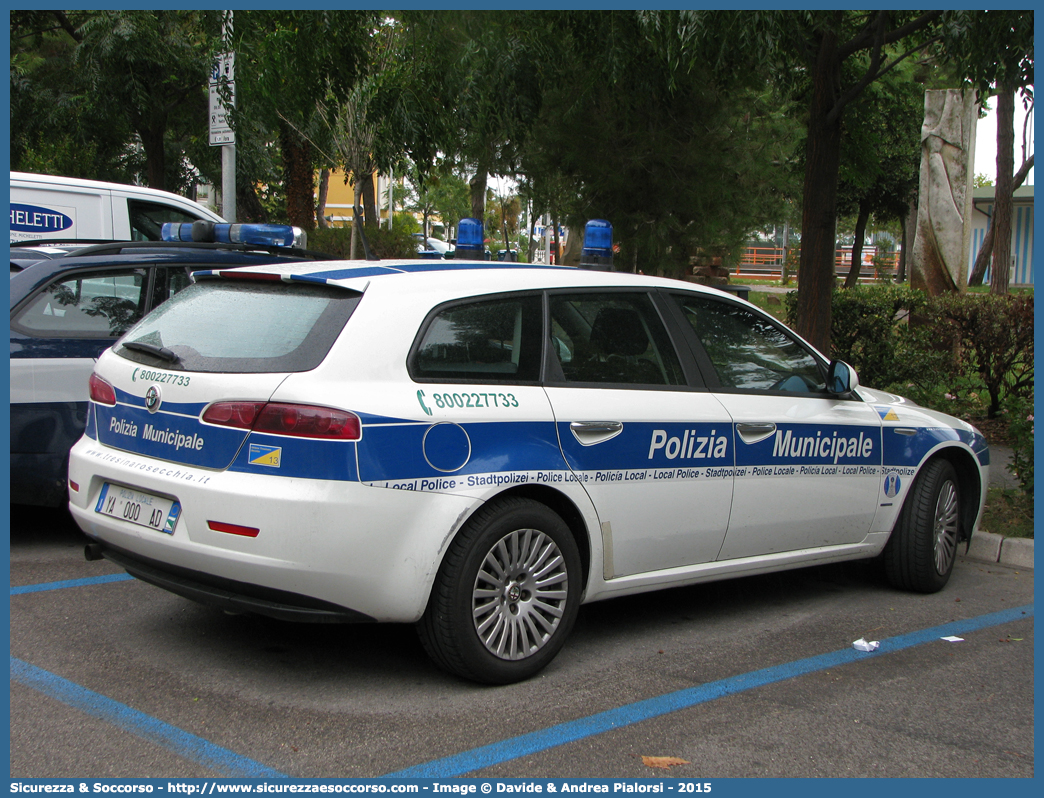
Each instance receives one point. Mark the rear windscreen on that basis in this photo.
(241, 327)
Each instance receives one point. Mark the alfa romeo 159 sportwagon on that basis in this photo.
(479, 448)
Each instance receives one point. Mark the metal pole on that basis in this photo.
(228, 151)
(547, 241)
(228, 182)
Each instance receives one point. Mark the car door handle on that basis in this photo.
(589, 433)
(754, 433)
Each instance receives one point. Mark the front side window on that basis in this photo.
(749, 352)
(147, 218)
(489, 340)
(612, 338)
(85, 305)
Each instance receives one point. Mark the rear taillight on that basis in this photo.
(101, 391)
(276, 418)
(233, 414)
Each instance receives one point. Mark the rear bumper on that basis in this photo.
(230, 595)
(358, 552)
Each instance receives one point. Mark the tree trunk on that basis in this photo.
(982, 260)
(852, 279)
(369, 198)
(297, 178)
(354, 248)
(1002, 200)
(532, 232)
(478, 194)
(556, 249)
(320, 206)
(155, 157)
(248, 206)
(819, 205)
(909, 225)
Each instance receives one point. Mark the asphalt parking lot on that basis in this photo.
(749, 678)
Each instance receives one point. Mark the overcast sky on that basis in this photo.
(986, 142)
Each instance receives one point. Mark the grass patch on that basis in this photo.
(1008, 513)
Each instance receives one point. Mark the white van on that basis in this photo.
(44, 207)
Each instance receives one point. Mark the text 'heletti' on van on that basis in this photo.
(45, 207)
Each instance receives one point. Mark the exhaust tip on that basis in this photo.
(92, 552)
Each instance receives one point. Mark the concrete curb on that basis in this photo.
(1013, 552)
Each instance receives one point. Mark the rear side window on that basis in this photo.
(612, 338)
(242, 327)
(492, 340)
(85, 305)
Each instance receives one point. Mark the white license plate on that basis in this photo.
(139, 507)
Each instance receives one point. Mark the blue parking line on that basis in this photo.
(620, 717)
(186, 745)
(94, 580)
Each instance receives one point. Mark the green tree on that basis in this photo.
(676, 160)
(155, 65)
(287, 63)
(504, 212)
(488, 78)
(880, 156)
(993, 51)
(419, 198)
(112, 93)
(813, 56)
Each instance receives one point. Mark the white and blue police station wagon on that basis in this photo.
(481, 447)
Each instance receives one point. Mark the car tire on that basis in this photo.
(490, 617)
(920, 554)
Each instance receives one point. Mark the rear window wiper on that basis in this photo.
(157, 351)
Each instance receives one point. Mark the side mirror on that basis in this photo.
(841, 378)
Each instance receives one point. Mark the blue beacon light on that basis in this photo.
(597, 252)
(259, 235)
(470, 240)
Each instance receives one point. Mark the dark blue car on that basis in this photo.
(65, 311)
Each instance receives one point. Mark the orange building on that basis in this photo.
(340, 197)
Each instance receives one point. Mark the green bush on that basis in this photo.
(870, 329)
(992, 337)
(334, 241)
(385, 244)
(960, 353)
(389, 244)
(1019, 411)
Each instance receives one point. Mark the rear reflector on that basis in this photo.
(278, 418)
(234, 529)
(74, 487)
